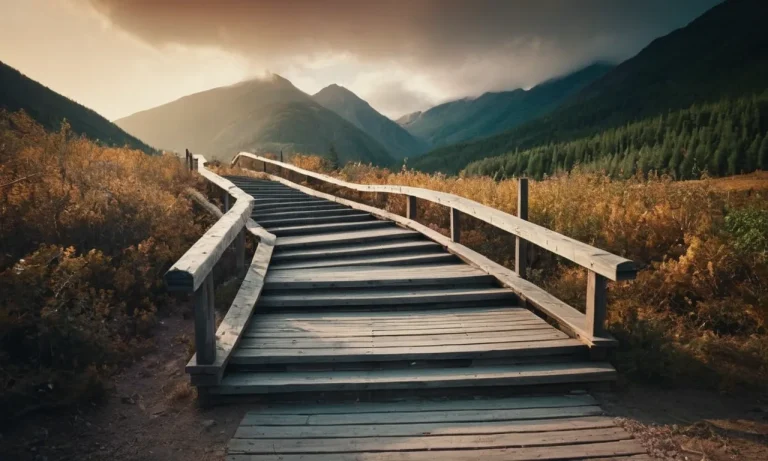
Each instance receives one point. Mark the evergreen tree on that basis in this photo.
(333, 158)
(762, 155)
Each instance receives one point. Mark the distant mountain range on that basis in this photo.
(491, 113)
(49, 108)
(721, 54)
(398, 142)
(260, 115)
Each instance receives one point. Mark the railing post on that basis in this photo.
(455, 225)
(410, 208)
(225, 201)
(205, 322)
(240, 252)
(521, 246)
(596, 304)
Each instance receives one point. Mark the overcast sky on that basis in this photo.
(122, 56)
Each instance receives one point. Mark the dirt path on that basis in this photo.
(151, 414)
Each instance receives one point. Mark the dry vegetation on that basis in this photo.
(86, 233)
(697, 312)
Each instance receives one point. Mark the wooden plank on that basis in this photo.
(418, 406)
(366, 249)
(287, 231)
(385, 297)
(205, 323)
(422, 429)
(412, 259)
(345, 238)
(517, 375)
(462, 352)
(367, 332)
(611, 266)
(450, 442)
(304, 221)
(581, 451)
(309, 213)
(458, 313)
(409, 341)
(419, 417)
(364, 279)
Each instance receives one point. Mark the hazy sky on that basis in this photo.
(121, 56)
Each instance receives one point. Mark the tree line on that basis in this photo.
(723, 138)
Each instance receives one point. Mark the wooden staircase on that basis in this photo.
(355, 303)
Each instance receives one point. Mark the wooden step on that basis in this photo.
(383, 297)
(294, 279)
(291, 231)
(309, 213)
(513, 375)
(290, 205)
(364, 249)
(314, 220)
(506, 350)
(421, 258)
(305, 242)
(320, 206)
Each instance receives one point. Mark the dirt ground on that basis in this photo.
(152, 414)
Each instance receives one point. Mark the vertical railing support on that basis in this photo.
(240, 253)
(225, 201)
(205, 322)
(596, 304)
(521, 246)
(410, 207)
(455, 225)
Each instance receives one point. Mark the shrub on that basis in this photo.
(86, 233)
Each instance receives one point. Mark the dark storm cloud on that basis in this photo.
(468, 46)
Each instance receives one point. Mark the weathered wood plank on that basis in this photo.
(517, 375)
(385, 297)
(442, 352)
(344, 238)
(450, 442)
(546, 453)
(611, 266)
(411, 259)
(418, 406)
(422, 429)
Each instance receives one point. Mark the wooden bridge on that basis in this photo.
(344, 301)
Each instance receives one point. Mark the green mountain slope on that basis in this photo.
(49, 108)
(491, 113)
(260, 115)
(389, 134)
(721, 54)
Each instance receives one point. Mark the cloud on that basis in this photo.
(458, 47)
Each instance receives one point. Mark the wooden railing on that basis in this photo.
(193, 273)
(601, 265)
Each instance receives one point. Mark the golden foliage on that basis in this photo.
(86, 233)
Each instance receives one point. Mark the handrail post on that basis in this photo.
(521, 246)
(225, 201)
(596, 304)
(410, 208)
(455, 225)
(240, 252)
(205, 322)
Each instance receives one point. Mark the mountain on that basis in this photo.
(408, 118)
(491, 113)
(389, 134)
(49, 108)
(259, 115)
(721, 54)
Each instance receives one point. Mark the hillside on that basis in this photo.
(398, 142)
(721, 54)
(260, 115)
(49, 108)
(491, 113)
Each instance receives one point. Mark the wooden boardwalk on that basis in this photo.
(344, 302)
(355, 303)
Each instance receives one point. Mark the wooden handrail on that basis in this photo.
(600, 261)
(600, 264)
(193, 272)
